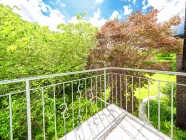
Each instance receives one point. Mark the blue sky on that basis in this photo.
(53, 12)
(71, 7)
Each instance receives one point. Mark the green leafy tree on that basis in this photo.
(28, 49)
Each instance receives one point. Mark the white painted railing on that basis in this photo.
(97, 88)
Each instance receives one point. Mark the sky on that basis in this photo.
(54, 12)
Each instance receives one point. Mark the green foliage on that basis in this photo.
(28, 49)
(167, 89)
(166, 55)
(167, 58)
(149, 63)
(80, 16)
(154, 85)
(174, 66)
(164, 58)
(100, 103)
(86, 108)
(81, 110)
(165, 118)
(19, 118)
(165, 114)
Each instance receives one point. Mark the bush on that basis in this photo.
(86, 108)
(167, 91)
(165, 118)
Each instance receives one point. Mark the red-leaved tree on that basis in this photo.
(134, 43)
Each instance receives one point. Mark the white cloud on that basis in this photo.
(97, 20)
(127, 10)
(168, 8)
(145, 7)
(55, 18)
(98, 1)
(143, 2)
(116, 15)
(73, 20)
(134, 1)
(63, 5)
(97, 14)
(52, 2)
(32, 11)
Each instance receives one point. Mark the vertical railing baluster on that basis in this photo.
(105, 85)
(91, 86)
(148, 101)
(172, 108)
(96, 91)
(120, 91)
(28, 109)
(158, 105)
(55, 124)
(126, 93)
(92, 95)
(132, 95)
(65, 109)
(116, 89)
(101, 92)
(72, 86)
(43, 111)
(112, 86)
(109, 86)
(80, 109)
(139, 90)
(86, 95)
(10, 113)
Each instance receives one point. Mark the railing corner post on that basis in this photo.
(28, 109)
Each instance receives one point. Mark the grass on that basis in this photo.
(153, 88)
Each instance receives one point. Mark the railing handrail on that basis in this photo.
(48, 76)
(150, 71)
(85, 71)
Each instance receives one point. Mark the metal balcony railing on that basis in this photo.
(50, 106)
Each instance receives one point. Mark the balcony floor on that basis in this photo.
(114, 123)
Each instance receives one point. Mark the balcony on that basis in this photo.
(84, 105)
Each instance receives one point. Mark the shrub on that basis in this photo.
(165, 118)
(167, 91)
